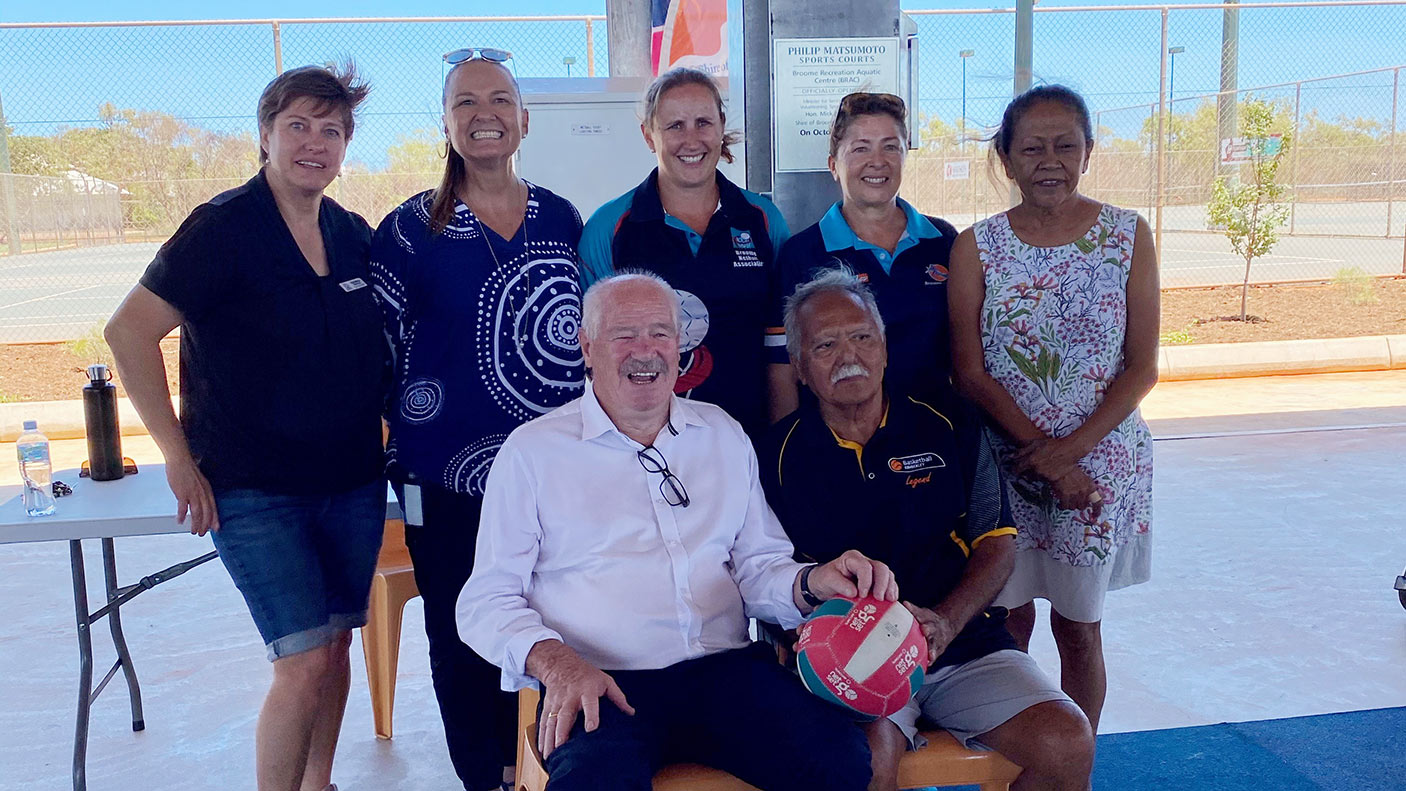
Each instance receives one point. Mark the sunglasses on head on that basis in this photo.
(871, 98)
(455, 57)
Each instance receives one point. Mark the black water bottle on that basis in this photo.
(100, 414)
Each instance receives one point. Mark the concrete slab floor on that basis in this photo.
(1271, 597)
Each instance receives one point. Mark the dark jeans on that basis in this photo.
(738, 711)
(480, 720)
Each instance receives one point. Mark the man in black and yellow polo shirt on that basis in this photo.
(916, 486)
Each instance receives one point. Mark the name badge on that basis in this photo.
(414, 512)
(352, 285)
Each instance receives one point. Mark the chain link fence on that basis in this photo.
(1340, 107)
(115, 131)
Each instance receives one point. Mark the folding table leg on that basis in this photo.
(114, 622)
(85, 666)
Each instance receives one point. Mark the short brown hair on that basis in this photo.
(332, 87)
(861, 103)
(677, 78)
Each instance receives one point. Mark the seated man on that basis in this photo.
(897, 479)
(625, 540)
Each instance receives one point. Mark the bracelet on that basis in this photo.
(806, 594)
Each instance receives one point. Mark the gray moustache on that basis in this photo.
(653, 366)
(846, 371)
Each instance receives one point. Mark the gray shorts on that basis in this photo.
(970, 699)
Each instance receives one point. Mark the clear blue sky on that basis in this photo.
(211, 75)
(96, 10)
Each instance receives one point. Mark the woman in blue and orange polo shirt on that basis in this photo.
(899, 253)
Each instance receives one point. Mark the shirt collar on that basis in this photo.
(596, 423)
(837, 235)
(845, 443)
(646, 205)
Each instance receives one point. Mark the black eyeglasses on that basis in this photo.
(455, 57)
(671, 487)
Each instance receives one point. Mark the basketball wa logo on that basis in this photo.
(918, 461)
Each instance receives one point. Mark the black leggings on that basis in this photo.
(480, 720)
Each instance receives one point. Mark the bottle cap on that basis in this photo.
(97, 372)
(30, 425)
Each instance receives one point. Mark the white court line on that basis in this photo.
(51, 296)
(8, 327)
(1257, 266)
(1235, 256)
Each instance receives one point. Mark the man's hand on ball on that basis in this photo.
(938, 631)
(853, 574)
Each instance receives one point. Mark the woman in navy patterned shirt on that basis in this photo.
(479, 284)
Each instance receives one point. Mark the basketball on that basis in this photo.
(862, 654)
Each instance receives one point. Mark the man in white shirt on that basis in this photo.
(624, 542)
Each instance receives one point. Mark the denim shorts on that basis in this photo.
(303, 562)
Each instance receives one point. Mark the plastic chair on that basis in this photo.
(943, 762)
(392, 586)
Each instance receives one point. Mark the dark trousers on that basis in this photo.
(738, 711)
(480, 720)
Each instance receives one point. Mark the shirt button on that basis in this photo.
(871, 476)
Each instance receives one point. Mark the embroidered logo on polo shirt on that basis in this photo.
(937, 273)
(744, 250)
(352, 285)
(918, 461)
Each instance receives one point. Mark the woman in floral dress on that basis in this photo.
(1054, 310)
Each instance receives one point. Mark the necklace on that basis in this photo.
(524, 270)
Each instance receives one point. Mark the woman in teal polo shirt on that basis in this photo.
(899, 253)
(713, 241)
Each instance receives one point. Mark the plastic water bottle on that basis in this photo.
(35, 469)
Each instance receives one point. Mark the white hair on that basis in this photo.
(839, 280)
(593, 300)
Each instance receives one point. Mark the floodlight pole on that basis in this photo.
(962, 140)
(12, 226)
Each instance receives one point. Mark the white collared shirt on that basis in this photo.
(577, 543)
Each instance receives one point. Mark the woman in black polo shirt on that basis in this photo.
(283, 373)
(899, 253)
(714, 242)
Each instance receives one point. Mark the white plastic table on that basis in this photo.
(135, 505)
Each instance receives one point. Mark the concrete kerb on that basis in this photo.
(64, 419)
(1273, 358)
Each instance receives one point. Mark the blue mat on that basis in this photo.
(1352, 751)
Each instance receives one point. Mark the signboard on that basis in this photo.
(1239, 150)
(958, 170)
(689, 33)
(809, 77)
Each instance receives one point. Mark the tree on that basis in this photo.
(421, 151)
(1253, 212)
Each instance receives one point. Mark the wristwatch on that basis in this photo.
(806, 594)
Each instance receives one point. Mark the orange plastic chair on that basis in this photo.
(942, 763)
(392, 586)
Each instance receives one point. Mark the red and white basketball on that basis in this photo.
(866, 655)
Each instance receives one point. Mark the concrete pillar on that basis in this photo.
(627, 30)
(802, 197)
